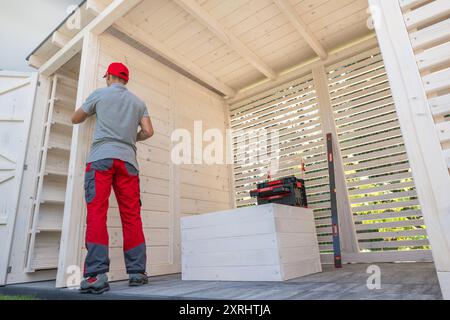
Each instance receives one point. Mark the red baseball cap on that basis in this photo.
(119, 70)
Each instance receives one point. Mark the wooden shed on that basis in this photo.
(375, 74)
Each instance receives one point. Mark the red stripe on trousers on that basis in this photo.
(126, 189)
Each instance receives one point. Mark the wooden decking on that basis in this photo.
(415, 281)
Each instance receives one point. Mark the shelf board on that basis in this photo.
(44, 265)
(52, 201)
(61, 122)
(56, 172)
(59, 146)
(49, 229)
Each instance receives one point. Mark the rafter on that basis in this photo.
(163, 50)
(289, 11)
(59, 39)
(196, 10)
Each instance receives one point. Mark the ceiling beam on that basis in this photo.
(168, 53)
(289, 11)
(96, 6)
(35, 62)
(196, 10)
(59, 39)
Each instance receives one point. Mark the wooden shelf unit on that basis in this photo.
(48, 208)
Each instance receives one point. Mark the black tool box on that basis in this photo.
(289, 191)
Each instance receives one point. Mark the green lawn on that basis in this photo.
(2, 297)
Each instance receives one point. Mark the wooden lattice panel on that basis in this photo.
(381, 189)
(292, 110)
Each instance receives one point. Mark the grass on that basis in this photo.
(3, 297)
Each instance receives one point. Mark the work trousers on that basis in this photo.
(123, 177)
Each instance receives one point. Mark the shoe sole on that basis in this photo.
(95, 291)
(137, 284)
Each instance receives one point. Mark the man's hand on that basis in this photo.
(146, 129)
(79, 116)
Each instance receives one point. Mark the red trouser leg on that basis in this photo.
(97, 184)
(126, 189)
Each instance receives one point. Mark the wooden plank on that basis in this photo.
(385, 197)
(226, 36)
(374, 146)
(431, 35)
(408, 4)
(256, 242)
(302, 28)
(443, 129)
(389, 160)
(59, 39)
(429, 12)
(437, 81)
(385, 256)
(378, 171)
(375, 154)
(384, 178)
(386, 106)
(394, 224)
(386, 215)
(357, 108)
(14, 86)
(357, 79)
(368, 94)
(379, 136)
(384, 206)
(393, 244)
(392, 234)
(440, 105)
(447, 157)
(236, 273)
(384, 187)
(349, 136)
(434, 57)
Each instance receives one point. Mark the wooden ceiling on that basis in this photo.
(234, 44)
(259, 26)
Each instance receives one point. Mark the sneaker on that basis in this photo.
(96, 285)
(138, 279)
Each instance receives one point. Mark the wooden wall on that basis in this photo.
(168, 191)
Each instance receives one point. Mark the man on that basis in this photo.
(112, 163)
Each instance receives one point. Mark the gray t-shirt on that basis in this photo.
(119, 113)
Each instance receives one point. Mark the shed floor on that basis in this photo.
(399, 281)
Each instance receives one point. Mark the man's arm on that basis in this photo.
(79, 116)
(146, 129)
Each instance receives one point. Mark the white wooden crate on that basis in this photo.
(271, 242)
